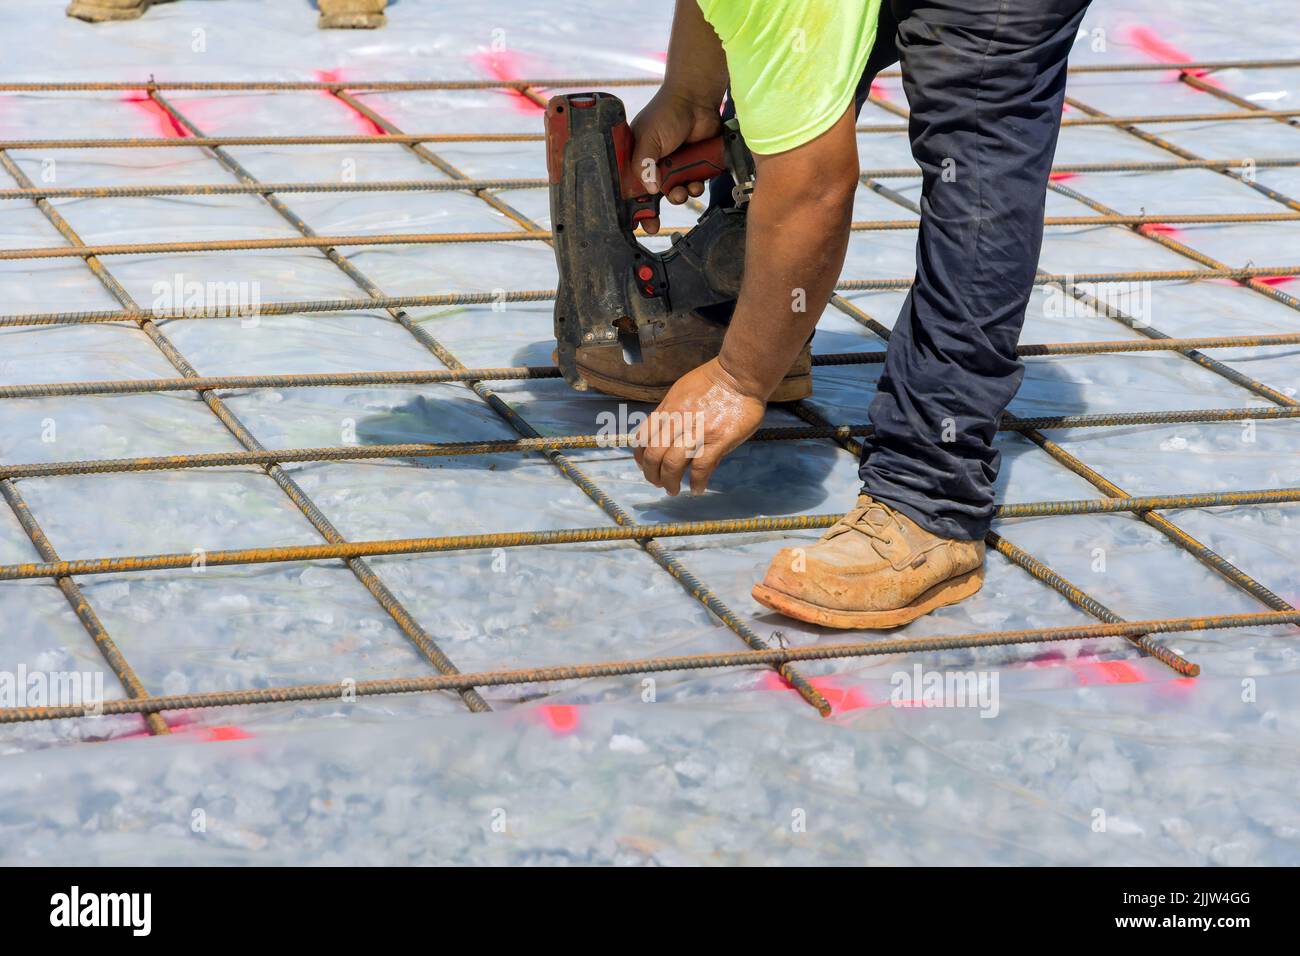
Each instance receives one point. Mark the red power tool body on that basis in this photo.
(613, 292)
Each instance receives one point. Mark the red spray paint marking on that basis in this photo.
(1267, 280)
(167, 125)
(842, 699)
(1182, 685)
(1159, 228)
(219, 733)
(1146, 40)
(365, 122)
(879, 90)
(1106, 672)
(562, 719)
(1088, 668)
(182, 724)
(507, 66)
(1061, 177)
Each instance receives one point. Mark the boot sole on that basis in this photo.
(791, 389)
(351, 21)
(941, 595)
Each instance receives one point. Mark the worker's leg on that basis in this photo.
(985, 80)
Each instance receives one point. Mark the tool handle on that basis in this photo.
(693, 163)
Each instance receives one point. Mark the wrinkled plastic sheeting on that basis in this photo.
(1096, 755)
(1063, 774)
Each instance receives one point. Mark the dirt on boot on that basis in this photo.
(351, 14)
(874, 568)
(693, 341)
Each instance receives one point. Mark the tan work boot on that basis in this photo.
(692, 342)
(97, 11)
(351, 14)
(874, 568)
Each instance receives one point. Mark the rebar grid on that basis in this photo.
(624, 529)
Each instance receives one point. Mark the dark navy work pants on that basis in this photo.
(985, 83)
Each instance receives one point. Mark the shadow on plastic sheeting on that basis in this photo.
(423, 420)
(760, 478)
(768, 478)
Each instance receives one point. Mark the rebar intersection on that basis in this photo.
(353, 553)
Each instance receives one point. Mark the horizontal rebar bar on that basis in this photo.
(439, 238)
(1148, 118)
(255, 189)
(1157, 275)
(241, 189)
(456, 185)
(279, 242)
(453, 449)
(629, 532)
(335, 139)
(500, 297)
(521, 372)
(400, 139)
(770, 657)
(247, 310)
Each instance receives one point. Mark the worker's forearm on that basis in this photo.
(697, 67)
(794, 250)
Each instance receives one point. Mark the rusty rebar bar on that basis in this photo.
(406, 139)
(503, 296)
(388, 547)
(450, 185)
(544, 235)
(773, 657)
(99, 466)
(522, 372)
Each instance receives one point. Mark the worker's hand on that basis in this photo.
(702, 419)
(668, 122)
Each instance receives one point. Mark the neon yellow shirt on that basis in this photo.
(794, 64)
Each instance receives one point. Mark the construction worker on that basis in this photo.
(985, 80)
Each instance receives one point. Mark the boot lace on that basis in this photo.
(873, 520)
